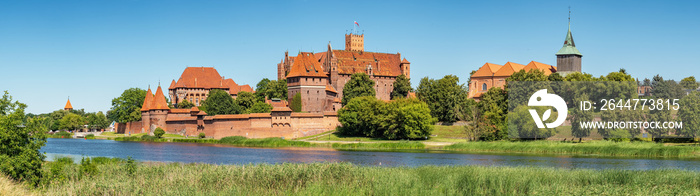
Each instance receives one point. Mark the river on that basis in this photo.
(222, 154)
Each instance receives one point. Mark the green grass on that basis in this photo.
(381, 145)
(264, 142)
(346, 179)
(604, 148)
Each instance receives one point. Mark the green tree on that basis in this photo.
(159, 132)
(689, 83)
(521, 125)
(359, 86)
(245, 100)
(184, 104)
(220, 102)
(402, 86)
(202, 135)
(444, 97)
(21, 139)
(72, 122)
(97, 120)
(578, 116)
(667, 89)
(658, 116)
(689, 113)
(56, 117)
(493, 108)
(260, 107)
(261, 89)
(406, 119)
(127, 107)
(277, 89)
(295, 104)
(361, 117)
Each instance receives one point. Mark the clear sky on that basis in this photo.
(93, 50)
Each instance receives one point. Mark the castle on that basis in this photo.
(195, 83)
(280, 122)
(320, 77)
(493, 75)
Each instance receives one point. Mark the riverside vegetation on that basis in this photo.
(109, 176)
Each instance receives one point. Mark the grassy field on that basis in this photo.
(605, 148)
(440, 134)
(113, 178)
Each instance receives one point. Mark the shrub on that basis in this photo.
(106, 160)
(158, 132)
(21, 138)
(202, 135)
(87, 167)
(62, 134)
(232, 139)
(148, 138)
(90, 136)
(130, 166)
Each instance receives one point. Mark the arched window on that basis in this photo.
(483, 87)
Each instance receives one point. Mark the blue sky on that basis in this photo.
(93, 50)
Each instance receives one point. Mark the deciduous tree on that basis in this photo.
(689, 113)
(402, 86)
(260, 107)
(689, 83)
(220, 102)
(359, 86)
(127, 107)
(184, 104)
(21, 140)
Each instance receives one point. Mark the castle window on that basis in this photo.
(483, 87)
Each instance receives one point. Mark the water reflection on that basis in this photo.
(222, 154)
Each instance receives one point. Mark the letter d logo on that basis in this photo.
(541, 98)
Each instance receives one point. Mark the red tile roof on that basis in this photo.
(487, 69)
(508, 69)
(207, 78)
(180, 111)
(548, 69)
(147, 101)
(281, 109)
(159, 102)
(383, 64)
(306, 65)
(330, 88)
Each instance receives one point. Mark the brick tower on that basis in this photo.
(354, 42)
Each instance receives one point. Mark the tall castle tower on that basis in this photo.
(568, 57)
(354, 42)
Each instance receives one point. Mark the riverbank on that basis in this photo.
(113, 178)
(594, 148)
(588, 148)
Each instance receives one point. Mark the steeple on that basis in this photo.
(568, 57)
(68, 106)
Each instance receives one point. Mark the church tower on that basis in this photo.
(568, 57)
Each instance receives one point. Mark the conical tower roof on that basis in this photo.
(147, 101)
(159, 102)
(569, 45)
(68, 105)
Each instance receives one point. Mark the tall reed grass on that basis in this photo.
(348, 179)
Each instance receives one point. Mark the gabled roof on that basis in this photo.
(159, 102)
(508, 69)
(207, 78)
(68, 105)
(306, 65)
(199, 77)
(383, 64)
(487, 70)
(147, 101)
(548, 69)
(569, 45)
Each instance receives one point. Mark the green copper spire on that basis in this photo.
(569, 46)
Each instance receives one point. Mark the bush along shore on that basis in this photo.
(109, 176)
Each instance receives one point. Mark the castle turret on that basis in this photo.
(68, 106)
(354, 42)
